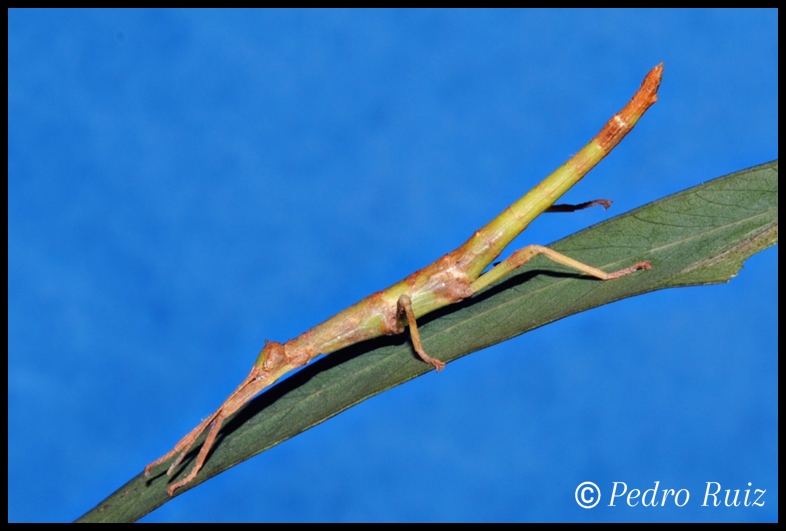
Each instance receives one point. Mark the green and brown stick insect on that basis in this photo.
(452, 278)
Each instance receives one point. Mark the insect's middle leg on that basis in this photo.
(405, 310)
(522, 256)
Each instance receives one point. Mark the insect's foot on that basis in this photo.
(644, 264)
(438, 365)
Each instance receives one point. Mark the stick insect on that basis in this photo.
(452, 278)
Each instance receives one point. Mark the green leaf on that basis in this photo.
(699, 236)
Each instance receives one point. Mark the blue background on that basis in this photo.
(185, 184)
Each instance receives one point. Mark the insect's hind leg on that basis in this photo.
(605, 203)
(522, 256)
